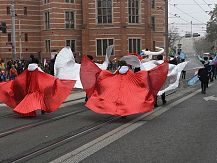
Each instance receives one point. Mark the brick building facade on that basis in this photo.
(88, 26)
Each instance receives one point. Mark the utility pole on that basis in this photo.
(166, 30)
(20, 40)
(191, 29)
(13, 31)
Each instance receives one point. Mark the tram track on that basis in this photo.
(14, 114)
(55, 143)
(41, 122)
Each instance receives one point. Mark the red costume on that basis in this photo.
(35, 90)
(121, 94)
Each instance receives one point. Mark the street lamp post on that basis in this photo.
(20, 40)
(13, 31)
(166, 29)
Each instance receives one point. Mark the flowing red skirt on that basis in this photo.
(35, 90)
(118, 94)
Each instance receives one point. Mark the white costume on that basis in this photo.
(66, 68)
(173, 77)
(33, 67)
(150, 53)
(174, 71)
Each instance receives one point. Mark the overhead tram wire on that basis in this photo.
(178, 17)
(200, 7)
(207, 4)
(186, 13)
(188, 4)
(197, 24)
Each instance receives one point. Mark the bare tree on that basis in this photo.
(212, 26)
(173, 36)
(202, 45)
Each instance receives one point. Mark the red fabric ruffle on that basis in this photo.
(35, 90)
(121, 94)
(88, 75)
(157, 77)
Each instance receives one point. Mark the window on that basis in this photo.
(71, 44)
(9, 37)
(104, 11)
(25, 10)
(102, 44)
(133, 11)
(47, 20)
(46, 1)
(47, 45)
(70, 1)
(26, 37)
(153, 23)
(69, 19)
(8, 10)
(134, 46)
(152, 3)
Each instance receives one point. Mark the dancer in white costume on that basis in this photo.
(174, 72)
(150, 53)
(66, 68)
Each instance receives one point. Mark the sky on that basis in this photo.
(188, 16)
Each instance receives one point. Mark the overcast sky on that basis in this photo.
(182, 12)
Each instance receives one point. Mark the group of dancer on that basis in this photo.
(131, 89)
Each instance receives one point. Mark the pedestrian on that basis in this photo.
(52, 62)
(33, 59)
(3, 76)
(182, 58)
(163, 96)
(204, 78)
(91, 58)
(208, 68)
(13, 73)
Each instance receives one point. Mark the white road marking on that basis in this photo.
(210, 98)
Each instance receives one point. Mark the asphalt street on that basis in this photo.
(183, 130)
(185, 133)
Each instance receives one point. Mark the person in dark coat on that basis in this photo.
(33, 59)
(51, 65)
(91, 58)
(204, 78)
(163, 96)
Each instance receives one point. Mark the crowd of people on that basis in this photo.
(208, 73)
(151, 77)
(10, 69)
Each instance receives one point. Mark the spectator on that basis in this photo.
(204, 78)
(13, 73)
(33, 59)
(163, 96)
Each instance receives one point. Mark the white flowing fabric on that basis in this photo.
(194, 64)
(150, 53)
(150, 64)
(173, 77)
(131, 60)
(66, 68)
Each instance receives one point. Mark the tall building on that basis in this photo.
(158, 23)
(87, 26)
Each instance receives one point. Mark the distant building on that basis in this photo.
(87, 26)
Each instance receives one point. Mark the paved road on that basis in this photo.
(182, 131)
